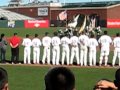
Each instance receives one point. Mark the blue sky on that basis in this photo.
(5, 2)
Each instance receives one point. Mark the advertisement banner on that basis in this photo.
(113, 23)
(36, 23)
(42, 11)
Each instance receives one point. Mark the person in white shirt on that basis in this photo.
(56, 49)
(65, 41)
(36, 43)
(74, 41)
(46, 41)
(116, 43)
(27, 50)
(92, 44)
(104, 42)
(83, 40)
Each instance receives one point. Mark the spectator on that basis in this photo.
(3, 79)
(14, 43)
(117, 79)
(3, 46)
(108, 84)
(60, 78)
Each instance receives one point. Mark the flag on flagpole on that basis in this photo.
(63, 15)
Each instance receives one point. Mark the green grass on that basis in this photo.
(32, 78)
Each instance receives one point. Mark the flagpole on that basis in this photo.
(66, 12)
(66, 18)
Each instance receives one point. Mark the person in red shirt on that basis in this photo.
(14, 43)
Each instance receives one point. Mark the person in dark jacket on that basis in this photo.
(3, 47)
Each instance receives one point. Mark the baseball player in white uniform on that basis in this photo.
(46, 41)
(65, 41)
(36, 43)
(104, 42)
(92, 44)
(74, 41)
(27, 50)
(56, 49)
(83, 39)
(116, 43)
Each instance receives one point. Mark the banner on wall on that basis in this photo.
(113, 23)
(11, 23)
(36, 23)
(43, 11)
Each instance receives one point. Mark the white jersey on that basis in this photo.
(36, 42)
(65, 41)
(56, 41)
(116, 42)
(27, 42)
(83, 40)
(46, 41)
(74, 41)
(92, 43)
(105, 41)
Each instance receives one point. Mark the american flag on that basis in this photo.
(63, 15)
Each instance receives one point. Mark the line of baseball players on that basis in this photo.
(70, 49)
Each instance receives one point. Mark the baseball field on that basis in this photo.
(31, 77)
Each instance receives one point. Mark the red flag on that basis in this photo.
(63, 15)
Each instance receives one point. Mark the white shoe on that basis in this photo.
(43, 62)
(19, 63)
(13, 63)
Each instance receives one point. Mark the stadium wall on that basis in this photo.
(104, 13)
(113, 12)
(16, 24)
(30, 11)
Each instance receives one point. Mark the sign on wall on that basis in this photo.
(36, 23)
(11, 23)
(113, 23)
(42, 11)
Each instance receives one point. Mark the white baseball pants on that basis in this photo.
(83, 56)
(56, 55)
(74, 52)
(46, 54)
(27, 52)
(92, 57)
(116, 54)
(36, 55)
(65, 52)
